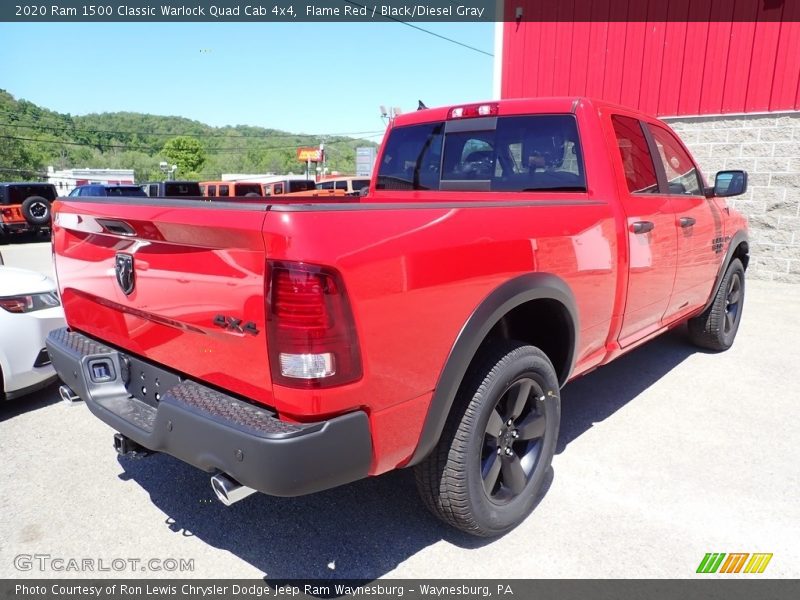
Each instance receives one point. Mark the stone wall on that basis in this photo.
(767, 146)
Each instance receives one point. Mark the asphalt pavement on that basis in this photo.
(665, 455)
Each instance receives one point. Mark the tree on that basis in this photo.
(188, 153)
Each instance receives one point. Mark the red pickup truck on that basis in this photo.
(292, 345)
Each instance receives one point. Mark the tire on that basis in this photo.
(36, 211)
(3, 236)
(716, 328)
(482, 477)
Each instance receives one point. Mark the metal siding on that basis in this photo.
(564, 29)
(598, 42)
(762, 71)
(785, 82)
(634, 58)
(672, 64)
(648, 55)
(580, 46)
(740, 54)
(653, 59)
(694, 49)
(615, 55)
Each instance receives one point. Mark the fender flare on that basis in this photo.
(739, 237)
(509, 295)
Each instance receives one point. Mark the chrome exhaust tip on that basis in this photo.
(228, 490)
(67, 395)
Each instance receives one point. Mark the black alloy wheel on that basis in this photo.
(733, 301)
(716, 328)
(513, 440)
(489, 468)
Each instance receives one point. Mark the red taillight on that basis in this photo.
(474, 110)
(312, 336)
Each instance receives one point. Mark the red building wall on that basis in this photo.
(665, 57)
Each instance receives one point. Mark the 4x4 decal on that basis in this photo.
(235, 325)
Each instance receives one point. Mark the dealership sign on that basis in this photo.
(309, 154)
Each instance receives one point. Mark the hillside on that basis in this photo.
(31, 138)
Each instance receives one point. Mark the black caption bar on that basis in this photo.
(245, 11)
(384, 589)
(377, 11)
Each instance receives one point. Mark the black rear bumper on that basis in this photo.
(207, 428)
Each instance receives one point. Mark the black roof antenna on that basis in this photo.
(421, 105)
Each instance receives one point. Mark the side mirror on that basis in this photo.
(730, 183)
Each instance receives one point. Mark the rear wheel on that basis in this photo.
(716, 328)
(486, 473)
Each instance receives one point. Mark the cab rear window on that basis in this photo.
(515, 153)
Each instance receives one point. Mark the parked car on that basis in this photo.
(29, 310)
(25, 208)
(100, 190)
(352, 186)
(505, 248)
(288, 186)
(224, 189)
(172, 189)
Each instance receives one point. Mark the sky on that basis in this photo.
(317, 78)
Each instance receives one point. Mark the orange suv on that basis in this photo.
(25, 207)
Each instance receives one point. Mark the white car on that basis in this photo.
(29, 310)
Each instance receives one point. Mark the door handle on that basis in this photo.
(642, 226)
(687, 221)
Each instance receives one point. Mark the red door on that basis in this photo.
(697, 222)
(651, 232)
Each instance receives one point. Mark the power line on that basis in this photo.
(441, 37)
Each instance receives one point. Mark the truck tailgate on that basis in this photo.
(198, 273)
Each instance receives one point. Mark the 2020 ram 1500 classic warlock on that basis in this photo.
(289, 346)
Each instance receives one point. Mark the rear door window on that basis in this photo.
(637, 162)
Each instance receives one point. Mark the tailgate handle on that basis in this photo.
(116, 227)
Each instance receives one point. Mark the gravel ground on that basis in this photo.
(666, 454)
